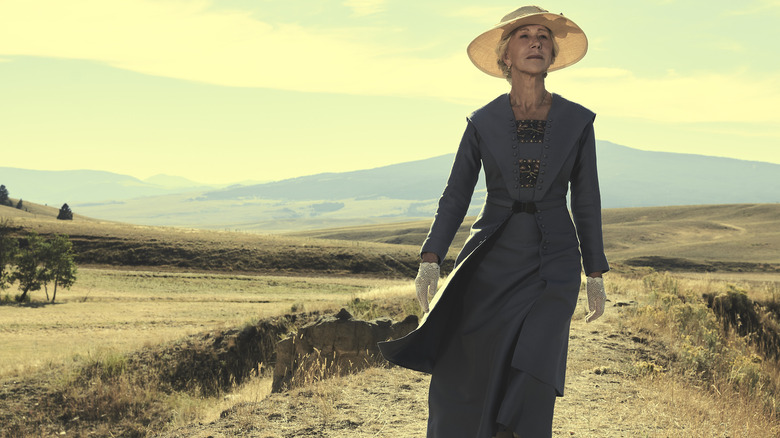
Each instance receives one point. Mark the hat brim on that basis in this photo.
(571, 40)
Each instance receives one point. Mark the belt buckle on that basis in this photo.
(524, 207)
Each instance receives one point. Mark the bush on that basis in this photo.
(36, 263)
(4, 199)
(9, 247)
(65, 213)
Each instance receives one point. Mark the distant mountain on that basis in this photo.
(414, 180)
(635, 178)
(629, 178)
(56, 187)
(172, 182)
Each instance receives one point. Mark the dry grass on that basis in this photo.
(660, 364)
(104, 243)
(378, 402)
(705, 366)
(611, 390)
(122, 311)
(705, 238)
(701, 233)
(607, 394)
(105, 374)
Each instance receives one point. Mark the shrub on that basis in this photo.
(65, 213)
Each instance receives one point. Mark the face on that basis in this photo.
(530, 50)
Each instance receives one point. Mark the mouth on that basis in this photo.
(535, 57)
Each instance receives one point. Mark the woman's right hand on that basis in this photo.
(426, 283)
(597, 298)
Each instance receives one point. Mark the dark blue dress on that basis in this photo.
(496, 337)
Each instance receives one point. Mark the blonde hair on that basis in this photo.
(504, 44)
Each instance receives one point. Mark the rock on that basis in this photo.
(333, 345)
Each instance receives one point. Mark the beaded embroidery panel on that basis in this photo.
(531, 131)
(529, 171)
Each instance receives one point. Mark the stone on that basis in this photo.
(334, 345)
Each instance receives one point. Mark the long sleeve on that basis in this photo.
(456, 198)
(586, 204)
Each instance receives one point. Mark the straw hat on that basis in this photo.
(569, 39)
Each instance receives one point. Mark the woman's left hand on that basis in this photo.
(597, 298)
(426, 283)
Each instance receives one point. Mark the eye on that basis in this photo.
(543, 37)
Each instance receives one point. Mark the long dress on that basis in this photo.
(496, 337)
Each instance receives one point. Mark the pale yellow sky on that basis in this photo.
(224, 91)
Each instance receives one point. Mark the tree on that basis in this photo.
(9, 247)
(19, 205)
(4, 200)
(30, 273)
(59, 264)
(65, 213)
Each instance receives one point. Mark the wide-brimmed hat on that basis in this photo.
(570, 40)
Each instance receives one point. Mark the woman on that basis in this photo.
(496, 336)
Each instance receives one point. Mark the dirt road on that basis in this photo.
(605, 397)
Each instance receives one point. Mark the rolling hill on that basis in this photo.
(744, 237)
(702, 237)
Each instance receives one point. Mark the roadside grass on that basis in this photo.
(708, 345)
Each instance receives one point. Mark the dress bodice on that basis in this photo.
(530, 136)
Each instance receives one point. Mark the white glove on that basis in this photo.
(597, 298)
(426, 282)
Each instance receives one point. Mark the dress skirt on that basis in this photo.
(475, 391)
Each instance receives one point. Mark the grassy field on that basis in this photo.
(707, 237)
(126, 310)
(100, 354)
(112, 244)
(647, 356)
(145, 296)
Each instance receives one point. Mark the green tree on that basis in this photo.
(30, 273)
(65, 213)
(19, 205)
(4, 199)
(59, 264)
(9, 247)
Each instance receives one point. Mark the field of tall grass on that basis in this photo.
(155, 334)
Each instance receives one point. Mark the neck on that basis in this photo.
(528, 92)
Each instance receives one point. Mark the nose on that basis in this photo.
(536, 42)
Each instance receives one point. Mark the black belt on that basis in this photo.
(524, 207)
